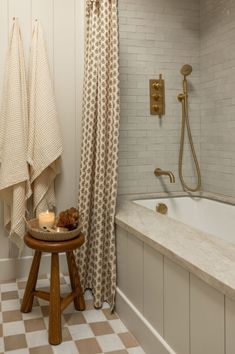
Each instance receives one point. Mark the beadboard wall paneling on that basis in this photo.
(63, 24)
(65, 89)
(3, 47)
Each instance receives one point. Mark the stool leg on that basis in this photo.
(55, 333)
(27, 302)
(79, 302)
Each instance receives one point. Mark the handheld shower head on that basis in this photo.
(186, 70)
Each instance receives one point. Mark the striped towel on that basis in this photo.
(45, 141)
(14, 174)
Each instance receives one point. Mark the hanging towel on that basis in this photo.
(45, 141)
(14, 174)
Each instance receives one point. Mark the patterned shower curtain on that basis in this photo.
(98, 177)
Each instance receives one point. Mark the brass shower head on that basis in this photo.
(186, 70)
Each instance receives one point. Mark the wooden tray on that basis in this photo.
(34, 230)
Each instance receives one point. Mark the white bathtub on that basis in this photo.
(207, 215)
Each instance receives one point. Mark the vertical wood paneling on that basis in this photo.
(22, 10)
(80, 42)
(230, 325)
(206, 318)
(176, 307)
(43, 11)
(153, 287)
(3, 53)
(135, 271)
(63, 25)
(64, 78)
(122, 257)
(3, 39)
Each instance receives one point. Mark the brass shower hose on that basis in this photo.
(183, 98)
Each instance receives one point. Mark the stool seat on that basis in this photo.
(52, 246)
(56, 303)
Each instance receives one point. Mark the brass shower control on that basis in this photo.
(156, 108)
(156, 85)
(157, 96)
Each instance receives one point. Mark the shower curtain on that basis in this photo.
(98, 176)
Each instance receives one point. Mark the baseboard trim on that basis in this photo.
(150, 340)
(13, 268)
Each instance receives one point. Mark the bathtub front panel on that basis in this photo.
(176, 306)
(206, 318)
(183, 313)
(134, 271)
(122, 257)
(230, 325)
(153, 287)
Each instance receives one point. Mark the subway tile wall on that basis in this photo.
(156, 36)
(217, 66)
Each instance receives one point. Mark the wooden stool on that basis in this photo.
(56, 303)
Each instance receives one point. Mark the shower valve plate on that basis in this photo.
(157, 96)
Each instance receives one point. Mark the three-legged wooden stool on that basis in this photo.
(56, 303)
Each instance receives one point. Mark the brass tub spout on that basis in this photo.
(159, 172)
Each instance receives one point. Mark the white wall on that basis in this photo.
(63, 23)
(156, 36)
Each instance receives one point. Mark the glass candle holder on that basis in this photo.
(46, 219)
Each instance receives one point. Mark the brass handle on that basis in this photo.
(156, 96)
(156, 107)
(161, 208)
(156, 85)
(181, 97)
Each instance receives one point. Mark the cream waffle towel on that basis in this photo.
(45, 141)
(14, 176)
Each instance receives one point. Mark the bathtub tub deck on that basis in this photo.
(210, 258)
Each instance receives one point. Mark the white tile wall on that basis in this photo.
(217, 64)
(156, 36)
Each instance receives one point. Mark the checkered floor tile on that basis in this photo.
(88, 332)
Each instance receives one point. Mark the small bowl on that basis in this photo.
(40, 234)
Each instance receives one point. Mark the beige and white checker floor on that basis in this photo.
(88, 332)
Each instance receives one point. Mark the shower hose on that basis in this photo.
(185, 122)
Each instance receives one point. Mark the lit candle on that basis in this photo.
(46, 219)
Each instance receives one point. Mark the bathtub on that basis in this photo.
(210, 216)
(176, 274)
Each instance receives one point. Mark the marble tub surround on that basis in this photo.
(207, 257)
